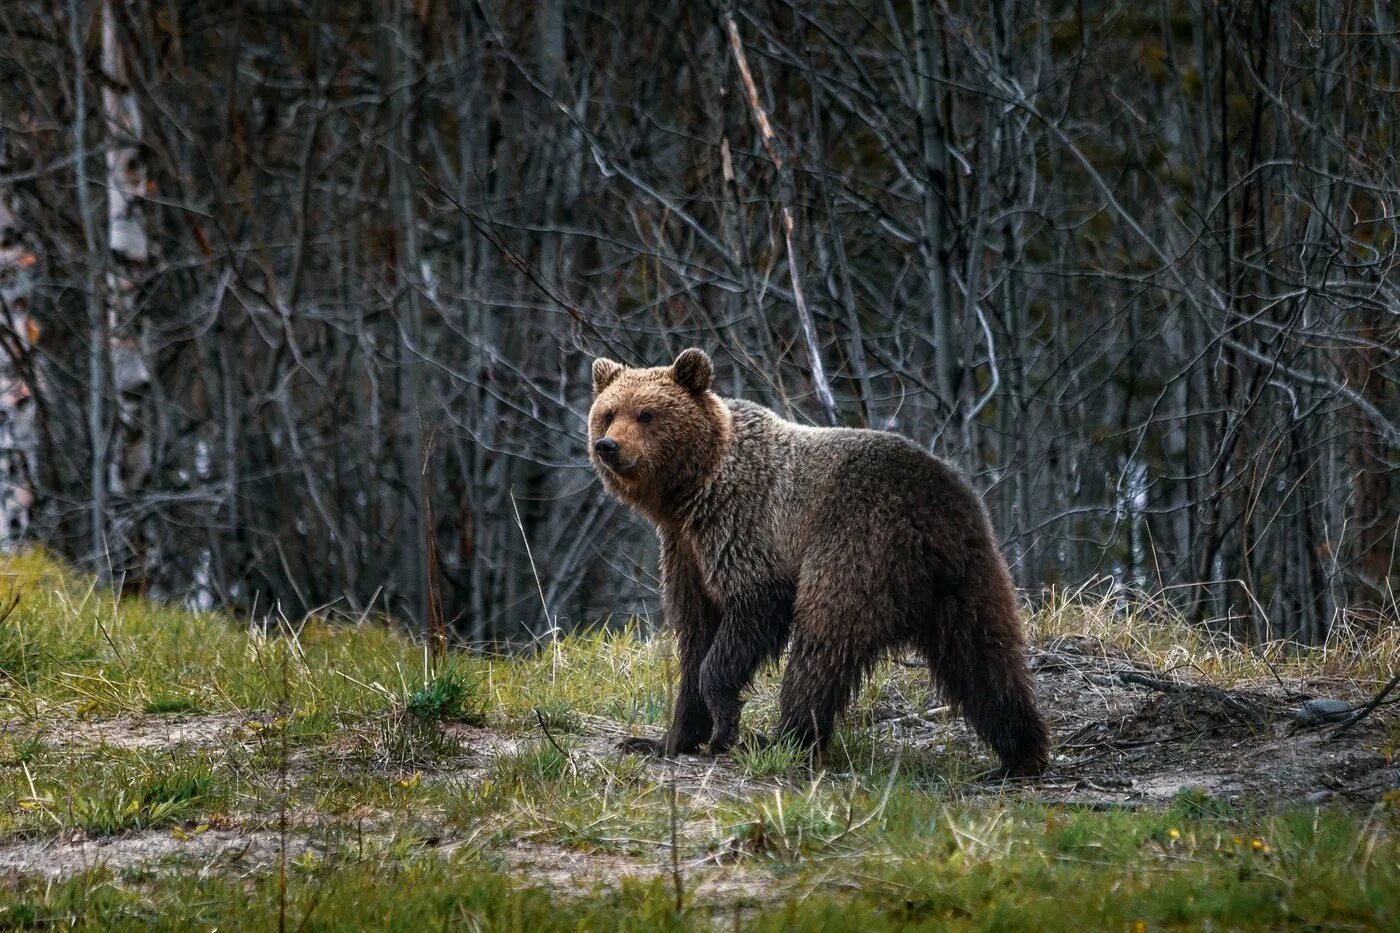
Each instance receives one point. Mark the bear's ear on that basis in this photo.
(692, 370)
(604, 372)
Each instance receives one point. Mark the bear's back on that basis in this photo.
(808, 485)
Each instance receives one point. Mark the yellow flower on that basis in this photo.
(1173, 834)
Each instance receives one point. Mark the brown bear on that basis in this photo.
(847, 543)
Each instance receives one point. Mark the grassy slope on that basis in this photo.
(339, 728)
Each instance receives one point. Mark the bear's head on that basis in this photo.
(655, 434)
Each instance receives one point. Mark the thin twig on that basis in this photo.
(437, 617)
(539, 717)
(530, 555)
(786, 197)
(1366, 710)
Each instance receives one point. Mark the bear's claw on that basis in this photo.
(638, 745)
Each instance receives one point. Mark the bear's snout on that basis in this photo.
(607, 448)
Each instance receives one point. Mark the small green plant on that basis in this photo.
(17, 752)
(1194, 803)
(542, 770)
(449, 694)
(21, 915)
(139, 802)
(537, 764)
(788, 826)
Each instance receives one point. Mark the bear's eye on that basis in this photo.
(644, 417)
(608, 417)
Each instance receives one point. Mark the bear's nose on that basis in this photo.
(606, 447)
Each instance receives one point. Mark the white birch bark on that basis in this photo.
(128, 248)
(17, 435)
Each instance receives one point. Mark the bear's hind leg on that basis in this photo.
(976, 652)
(835, 644)
(817, 685)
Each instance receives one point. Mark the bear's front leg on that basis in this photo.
(690, 720)
(694, 619)
(753, 630)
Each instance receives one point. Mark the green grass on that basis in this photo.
(414, 894)
(342, 731)
(141, 801)
(102, 791)
(449, 694)
(763, 759)
(1012, 868)
(162, 704)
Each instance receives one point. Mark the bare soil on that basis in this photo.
(151, 731)
(68, 855)
(1125, 735)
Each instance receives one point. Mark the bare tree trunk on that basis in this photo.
(410, 347)
(18, 439)
(1374, 520)
(128, 250)
(96, 318)
(936, 224)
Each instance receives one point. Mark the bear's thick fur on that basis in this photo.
(849, 544)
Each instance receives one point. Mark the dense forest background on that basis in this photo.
(299, 298)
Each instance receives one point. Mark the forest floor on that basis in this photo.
(174, 769)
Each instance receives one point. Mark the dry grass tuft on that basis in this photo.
(1150, 628)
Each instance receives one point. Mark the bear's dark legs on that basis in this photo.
(976, 652)
(691, 722)
(695, 620)
(995, 695)
(817, 684)
(836, 641)
(753, 630)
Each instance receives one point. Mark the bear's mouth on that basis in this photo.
(619, 468)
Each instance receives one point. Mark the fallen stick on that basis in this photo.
(1366, 710)
(1167, 686)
